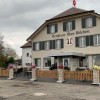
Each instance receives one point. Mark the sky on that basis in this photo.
(20, 18)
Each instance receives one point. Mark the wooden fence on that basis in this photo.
(79, 75)
(46, 74)
(68, 75)
(4, 72)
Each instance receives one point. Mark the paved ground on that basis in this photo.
(26, 90)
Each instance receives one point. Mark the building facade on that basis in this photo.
(26, 54)
(71, 38)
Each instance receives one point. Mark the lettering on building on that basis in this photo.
(78, 32)
(59, 35)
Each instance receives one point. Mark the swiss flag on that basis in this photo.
(74, 3)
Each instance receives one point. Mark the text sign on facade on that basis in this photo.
(79, 32)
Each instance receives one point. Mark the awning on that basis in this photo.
(62, 54)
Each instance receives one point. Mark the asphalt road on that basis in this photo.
(26, 90)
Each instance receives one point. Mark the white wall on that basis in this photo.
(26, 59)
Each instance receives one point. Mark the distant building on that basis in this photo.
(71, 38)
(26, 54)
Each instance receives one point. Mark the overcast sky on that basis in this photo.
(20, 18)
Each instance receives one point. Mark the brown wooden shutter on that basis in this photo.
(77, 41)
(91, 40)
(73, 25)
(83, 23)
(56, 28)
(62, 43)
(48, 29)
(64, 26)
(94, 20)
(33, 46)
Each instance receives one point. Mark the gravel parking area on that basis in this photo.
(26, 90)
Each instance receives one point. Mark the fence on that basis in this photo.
(68, 75)
(46, 74)
(79, 75)
(4, 72)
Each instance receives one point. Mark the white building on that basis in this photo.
(71, 38)
(26, 55)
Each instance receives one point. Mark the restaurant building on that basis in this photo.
(71, 38)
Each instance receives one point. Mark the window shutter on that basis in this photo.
(62, 43)
(42, 45)
(91, 40)
(77, 41)
(64, 26)
(56, 28)
(48, 29)
(83, 22)
(73, 25)
(53, 44)
(94, 20)
(33, 46)
(87, 41)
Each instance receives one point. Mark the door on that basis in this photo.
(66, 63)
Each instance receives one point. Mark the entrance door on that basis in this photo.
(66, 62)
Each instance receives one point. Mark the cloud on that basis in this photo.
(20, 18)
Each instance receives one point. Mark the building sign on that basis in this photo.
(69, 41)
(59, 35)
(79, 32)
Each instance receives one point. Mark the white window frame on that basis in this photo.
(88, 22)
(96, 40)
(46, 61)
(38, 65)
(58, 44)
(37, 46)
(47, 45)
(82, 41)
(69, 26)
(52, 28)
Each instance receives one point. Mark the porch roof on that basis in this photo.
(62, 54)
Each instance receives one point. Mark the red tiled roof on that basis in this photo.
(28, 44)
(70, 11)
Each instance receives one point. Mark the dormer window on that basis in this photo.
(52, 28)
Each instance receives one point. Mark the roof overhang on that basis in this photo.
(63, 54)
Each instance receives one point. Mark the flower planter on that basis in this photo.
(33, 73)
(60, 75)
(96, 78)
(11, 72)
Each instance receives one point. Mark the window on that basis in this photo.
(88, 22)
(47, 62)
(37, 62)
(96, 40)
(52, 28)
(82, 41)
(27, 55)
(47, 45)
(37, 46)
(69, 25)
(58, 44)
(96, 60)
